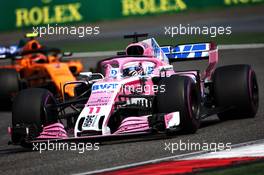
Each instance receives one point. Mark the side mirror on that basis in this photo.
(166, 68)
(163, 70)
(87, 74)
(92, 77)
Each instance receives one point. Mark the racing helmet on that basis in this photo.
(132, 69)
(39, 58)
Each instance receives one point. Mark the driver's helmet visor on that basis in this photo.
(130, 71)
(137, 68)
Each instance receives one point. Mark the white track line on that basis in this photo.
(221, 47)
(198, 154)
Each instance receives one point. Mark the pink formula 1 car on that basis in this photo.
(138, 93)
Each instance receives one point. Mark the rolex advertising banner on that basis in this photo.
(27, 13)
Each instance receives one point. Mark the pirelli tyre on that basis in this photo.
(30, 110)
(235, 88)
(9, 86)
(181, 94)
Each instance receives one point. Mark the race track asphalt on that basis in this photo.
(16, 160)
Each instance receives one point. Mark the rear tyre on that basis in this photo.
(181, 94)
(236, 89)
(9, 87)
(29, 111)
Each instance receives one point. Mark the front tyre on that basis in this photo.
(181, 94)
(30, 111)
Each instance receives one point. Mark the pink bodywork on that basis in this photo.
(55, 130)
(133, 124)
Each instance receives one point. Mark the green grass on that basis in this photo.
(247, 169)
(120, 43)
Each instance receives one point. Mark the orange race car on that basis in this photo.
(33, 65)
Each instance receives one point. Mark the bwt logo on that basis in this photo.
(97, 87)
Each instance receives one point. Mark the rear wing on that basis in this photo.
(198, 51)
(9, 52)
(186, 52)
